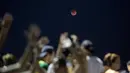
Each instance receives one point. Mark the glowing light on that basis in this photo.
(73, 12)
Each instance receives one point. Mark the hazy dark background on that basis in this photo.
(104, 22)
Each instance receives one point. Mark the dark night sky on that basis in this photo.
(104, 22)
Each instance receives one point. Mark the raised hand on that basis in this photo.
(32, 34)
(5, 26)
(74, 37)
(7, 20)
(63, 36)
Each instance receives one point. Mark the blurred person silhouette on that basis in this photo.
(60, 62)
(46, 56)
(5, 25)
(62, 68)
(111, 63)
(128, 67)
(95, 64)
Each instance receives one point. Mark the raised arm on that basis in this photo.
(59, 49)
(32, 35)
(22, 64)
(79, 56)
(5, 26)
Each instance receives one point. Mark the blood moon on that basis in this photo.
(73, 12)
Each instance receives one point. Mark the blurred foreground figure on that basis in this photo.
(95, 64)
(128, 66)
(46, 56)
(68, 51)
(5, 25)
(59, 62)
(28, 62)
(111, 63)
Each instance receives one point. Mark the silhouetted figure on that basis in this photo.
(111, 63)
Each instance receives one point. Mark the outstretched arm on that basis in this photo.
(27, 55)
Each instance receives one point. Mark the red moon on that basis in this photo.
(73, 12)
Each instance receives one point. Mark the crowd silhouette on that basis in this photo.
(71, 55)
